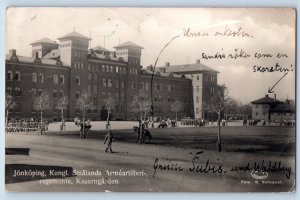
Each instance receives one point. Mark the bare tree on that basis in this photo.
(109, 104)
(41, 103)
(10, 104)
(62, 104)
(176, 107)
(141, 104)
(219, 102)
(84, 103)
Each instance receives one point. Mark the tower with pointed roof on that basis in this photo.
(73, 48)
(43, 46)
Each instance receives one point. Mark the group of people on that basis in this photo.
(31, 125)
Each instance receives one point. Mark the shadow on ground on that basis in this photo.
(27, 173)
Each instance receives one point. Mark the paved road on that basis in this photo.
(174, 149)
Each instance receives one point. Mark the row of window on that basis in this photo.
(109, 83)
(11, 76)
(40, 78)
(133, 71)
(105, 68)
(16, 91)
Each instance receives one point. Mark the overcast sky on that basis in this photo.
(273, 31)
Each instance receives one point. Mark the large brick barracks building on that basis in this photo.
(69, 68)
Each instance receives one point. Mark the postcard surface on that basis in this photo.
(150, 99)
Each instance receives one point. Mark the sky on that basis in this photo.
(271, 31)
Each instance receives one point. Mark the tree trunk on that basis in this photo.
(141, 131)
(41, 122)
(176, 119)
(108, 113)
(62, 119)
(219, 132)
(83, 125)
(6, 118)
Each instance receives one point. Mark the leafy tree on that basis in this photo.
(141, 105)
(220, 100)
(10, 104)
(62, 104)
(41, 103)
(84, 103)
(176, 107)
(109, 104)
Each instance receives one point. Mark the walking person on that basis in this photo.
(109, 138)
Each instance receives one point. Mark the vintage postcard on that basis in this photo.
(150, 99)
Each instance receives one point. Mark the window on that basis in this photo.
(142, 85)
(156, 87)
(160, 87)
(78, 80)
(117, 83)
(104, 82)
(41, 78)
(169, 87)
(33, 92)
(55, 94)
(62, 79)
(197, 77)
(122, 84)
(89, 88)
(117, 69)
(17, 91)
(95, 88)
(34, 78)
(17, 76)
(95, 77)
(41, 91)
(90, 76)
(133, 85)
(9, 91)
(89, 67)
(146, 86)
(77, 94)
(103, 95)
(107, 68)
(109, 83)
(55, 79)
(81, 65)
(111, 69)
(10, 75)
(122, 97)
(61, 93)
(197, 110)
(103, 68)
(197, 99)
(197, 89)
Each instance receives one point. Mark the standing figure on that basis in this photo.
(109, 138)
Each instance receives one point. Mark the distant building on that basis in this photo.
(270, 109)
(204, 80)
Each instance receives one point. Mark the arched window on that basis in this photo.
(10, 75)
(41, 78)
(55, 79)
(17, 76)
(133, 85)
(34, 78)
(17, 91)
(78, 80)
(62, 79)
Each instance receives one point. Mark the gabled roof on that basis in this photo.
(75, 35)
(99, 48)
(266, 100)
(128, 44)
(55, 53)
(187, 68)
(44, 41)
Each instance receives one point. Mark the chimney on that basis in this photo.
(274, 97)
(167, 64)
(198, 61)
(267, 95)
(288, 102)
(36, 55)
(12, 52)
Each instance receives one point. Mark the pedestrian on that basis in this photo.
(109, 138)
